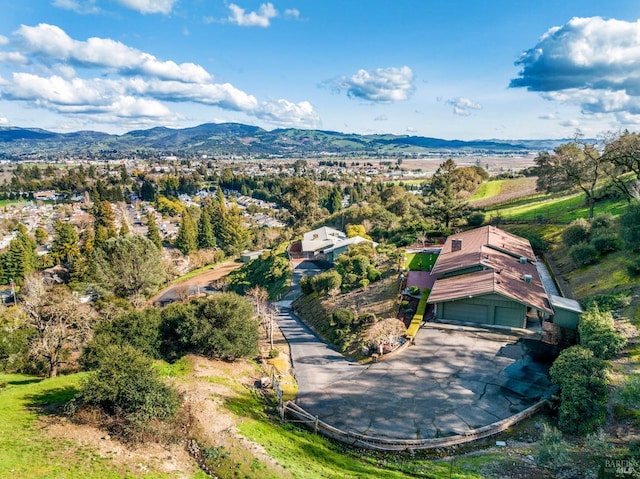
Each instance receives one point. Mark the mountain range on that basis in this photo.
(224, 139)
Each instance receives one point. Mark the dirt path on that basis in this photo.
(202, 280)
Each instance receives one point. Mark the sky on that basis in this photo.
(453, 69)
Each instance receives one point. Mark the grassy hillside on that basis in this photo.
(29, 449)
(554, 209)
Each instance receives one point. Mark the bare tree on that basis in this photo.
(61, 324)
(258, 297)
(387, 331)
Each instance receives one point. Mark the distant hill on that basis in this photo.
(237, 139)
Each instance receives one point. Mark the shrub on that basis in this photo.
(219, 326)
(605, 242)
(633, 267)
(367, 318)
(582, 379)
(325, 282)
(305, 285)
(607, 302)
(630, 226)
(553, 449)
(598, 333)
(342, 317)
(602, 222)
(127, 388)
(577, 232)
(414, 290)
(476, 219)
(583, 254)
(598, 441)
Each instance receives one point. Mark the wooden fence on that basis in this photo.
(294, 413)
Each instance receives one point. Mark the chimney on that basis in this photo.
(456, 245)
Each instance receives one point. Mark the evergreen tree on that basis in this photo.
(334, 202)
(152, 231)
(233, 236)
(187, 239)
(20, 259)
(206, 234)
(64, 248)
(104, 217)
(87, 241)
(443, 201)
(124, 228)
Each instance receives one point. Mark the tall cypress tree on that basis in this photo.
(152, 231)
(206, 234)
(187, 239)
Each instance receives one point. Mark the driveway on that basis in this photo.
(451, 380)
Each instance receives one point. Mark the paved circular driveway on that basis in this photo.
(451, 380)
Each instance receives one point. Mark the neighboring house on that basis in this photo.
(488, 276)
(324, 244)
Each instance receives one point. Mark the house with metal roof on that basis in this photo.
(488, 276)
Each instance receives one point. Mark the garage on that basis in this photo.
(511, 317)
(472, 313)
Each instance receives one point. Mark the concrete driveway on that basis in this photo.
(451, 380)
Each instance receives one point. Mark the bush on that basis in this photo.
(476, 219)
(219, 326)
(367, 318)
(633, 267)
(583, 254)
(577, 232)
(553, 449)
(325, 282)
(127, 388)
(630, 226)
(414, 290)
(598, 333)
(605, 242)
(305, 285)
(583, 382)
(607, 302)
(342, 317)
(602, 222)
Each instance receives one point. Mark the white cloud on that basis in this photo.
(3, 40)
(383, 85)
(4, 121)
(107, 79)
(590, 62)
(149, 6)
(462, 106)
(83, 8)
(49, 42)
(16, 58)
(292, 13)
(381, 118)
(283, 112)
(548, 116)
(261, 18)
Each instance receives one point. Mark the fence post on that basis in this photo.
(315, 428)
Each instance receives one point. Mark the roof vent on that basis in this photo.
(523, 260)
(527, 278)
(456, 245)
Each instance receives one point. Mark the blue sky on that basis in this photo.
(464, 69)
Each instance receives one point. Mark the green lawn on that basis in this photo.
(420, 261)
